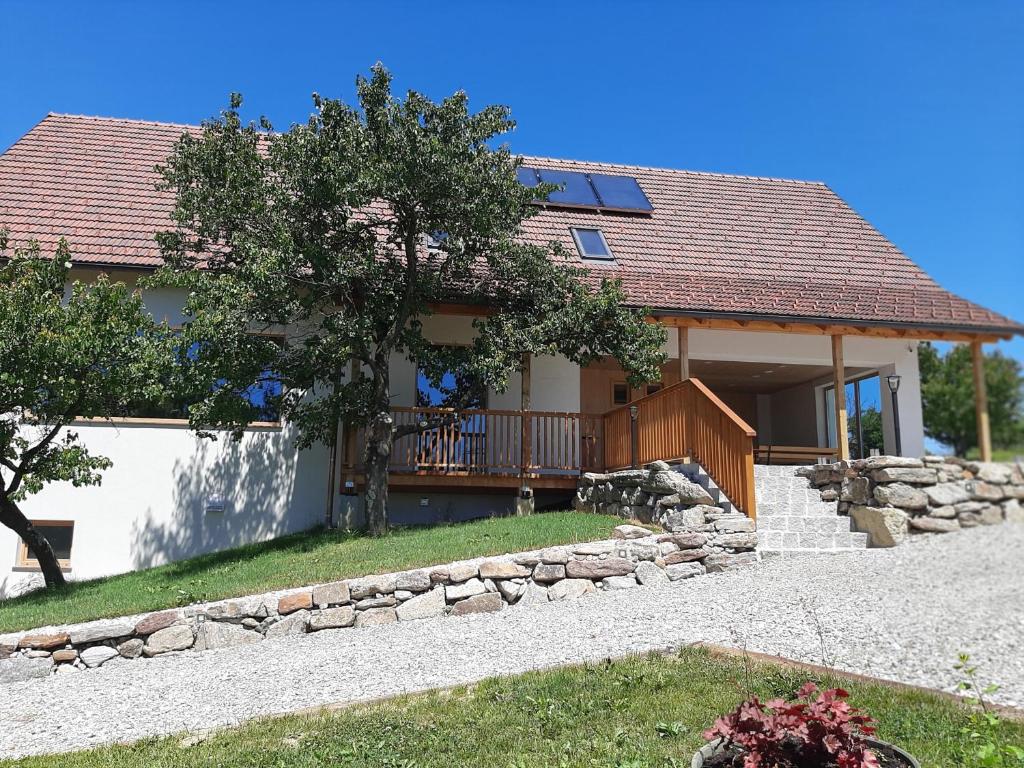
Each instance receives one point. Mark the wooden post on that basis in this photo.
(839, 380)
(981, 402)
(684, 352)
(524, 407)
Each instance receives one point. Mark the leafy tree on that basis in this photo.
(323, 229)
(947, 397)
(871, 426)
(83, 351)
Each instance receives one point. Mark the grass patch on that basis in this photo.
(292, 561)
(998, 454)
(638, 713)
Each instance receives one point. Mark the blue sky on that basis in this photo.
(913, 111)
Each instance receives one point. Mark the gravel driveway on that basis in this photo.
(902, 614)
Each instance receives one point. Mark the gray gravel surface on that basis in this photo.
(901, 614)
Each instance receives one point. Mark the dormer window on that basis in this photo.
(591, 244)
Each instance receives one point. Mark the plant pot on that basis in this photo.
(713, 748)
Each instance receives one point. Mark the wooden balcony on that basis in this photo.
(542, 449)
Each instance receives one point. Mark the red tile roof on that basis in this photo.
(731, 245)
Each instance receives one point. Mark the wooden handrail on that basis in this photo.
(686, 420)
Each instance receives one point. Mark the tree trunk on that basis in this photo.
(14, 518)
(377, 457)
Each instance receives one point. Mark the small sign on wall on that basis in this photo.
(215, 504)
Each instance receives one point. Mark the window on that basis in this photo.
(652, 388)
(591, 244)
(620, 393)
(264, 396)
(59, 533)
(436, 240)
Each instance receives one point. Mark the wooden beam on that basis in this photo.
(981, 402)
(839, 381)
(825, 329)
(684, 353)
(525, 436)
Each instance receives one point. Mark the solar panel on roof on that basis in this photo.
(577, 189)
(588, 190)
(527, 176)
(620, 192)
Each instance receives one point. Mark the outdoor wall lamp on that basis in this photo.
(894, 386)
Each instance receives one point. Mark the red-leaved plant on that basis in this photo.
(813, 730)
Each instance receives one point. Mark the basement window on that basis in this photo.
(59, 533)
(591, 244)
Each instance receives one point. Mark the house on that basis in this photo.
(778, 298)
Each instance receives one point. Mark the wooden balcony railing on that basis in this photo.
(680, 421)
(497, 443)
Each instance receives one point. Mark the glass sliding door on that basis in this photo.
(863, 416)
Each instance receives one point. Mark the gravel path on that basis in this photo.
(902, 614)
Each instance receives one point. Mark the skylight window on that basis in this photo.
(591, 244)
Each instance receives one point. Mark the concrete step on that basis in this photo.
(804, 509)
(809, 541)
(800, 524)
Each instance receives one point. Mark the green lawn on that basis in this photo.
(999, 454)
(292, 561)
(638, 713)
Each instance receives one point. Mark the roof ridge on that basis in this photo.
(664, 169)
(133, 120)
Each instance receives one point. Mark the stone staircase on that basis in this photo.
(792, 518)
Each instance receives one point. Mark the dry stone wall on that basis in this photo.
(892, 497)
(636, 556)
(709, 536)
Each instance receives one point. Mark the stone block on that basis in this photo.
(464, 589)
(425, 606)
(510, 590)
(599, 569)
(933, 524)
(295, 624)
(131, 649)
(337, 592)
(385, 601)
(177, 637)
(630, 532)
(992, 472)
(98, 631)
(689, 540)
(65, 656)
(44, 641)
(677, 484)
(885, 462)
(909, 475)
(947, 494)
(619, 582)
(982, 491)
(502, 569)
(682, 520)
(554, 556)
(371, 586)
(735, 524)
(486, 603)
(333, 618)
(296, 601)
(737, 540)
(685, 556)
(533, 594)
(681, 571)
(650, 575)
(885, 526)
(97, 655)
(901, 495)
(1013, 511)
(157, 621)
(548, 573)
(570, 589)
(20, 668)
